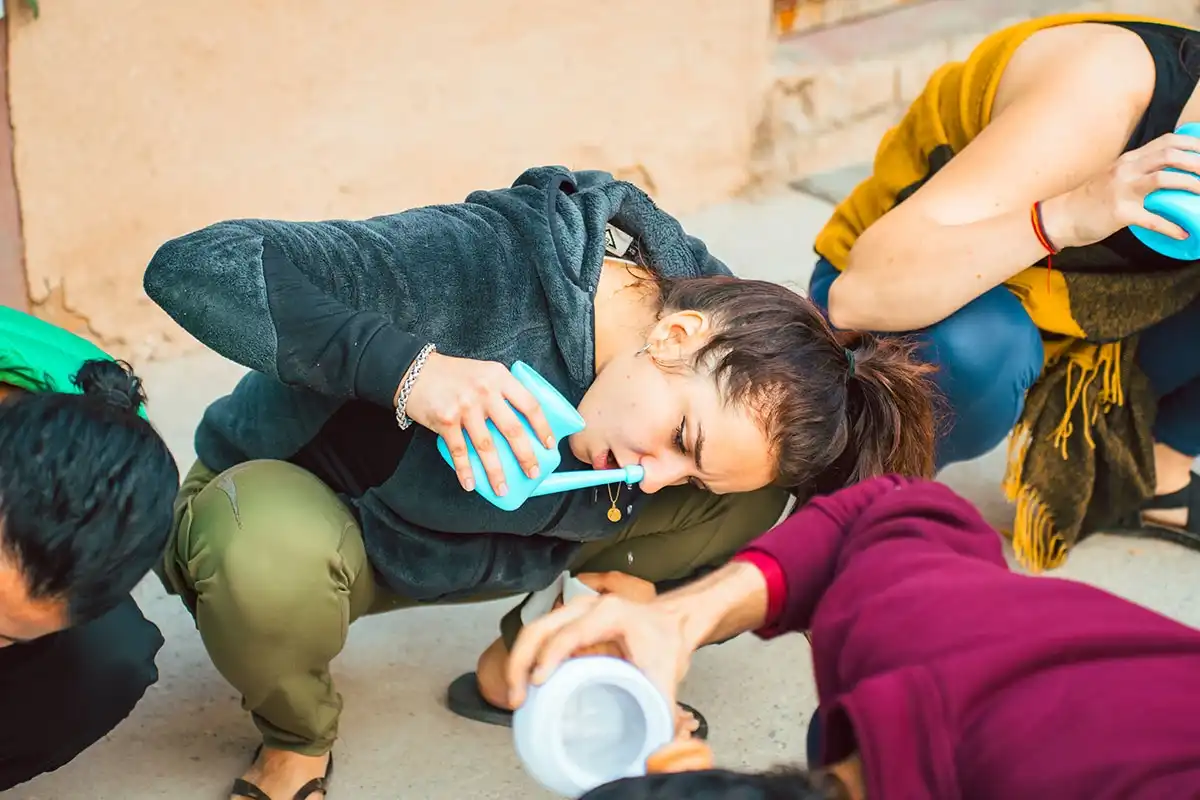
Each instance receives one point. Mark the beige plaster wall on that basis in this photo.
(138, 120)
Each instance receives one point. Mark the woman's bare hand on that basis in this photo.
(1114, 198)
(622, 585)
(646, 634)
(453, 395)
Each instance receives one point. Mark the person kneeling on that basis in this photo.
(320, 492)
(86, 492)
(941, 672)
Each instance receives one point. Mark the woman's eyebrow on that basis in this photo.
(698, 447)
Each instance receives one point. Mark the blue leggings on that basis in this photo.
(988, 354)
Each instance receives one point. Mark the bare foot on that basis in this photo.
(686, 723)
(281, 773)
(1167, 517)
(1173, 471)
(489, 672)
(490, 677)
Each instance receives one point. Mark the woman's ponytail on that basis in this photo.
(837, 407)
(113, 383)
(890, 408)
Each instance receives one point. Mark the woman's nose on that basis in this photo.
(660, 473)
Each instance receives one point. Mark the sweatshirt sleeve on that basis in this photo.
(803, 556)
(312, 304)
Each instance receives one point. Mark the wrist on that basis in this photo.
(728, 602)
(404, 390)
(1057, 225)
(384, 359)
(696, 624)
(417, 366)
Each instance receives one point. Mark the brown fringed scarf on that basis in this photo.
(1081, 457)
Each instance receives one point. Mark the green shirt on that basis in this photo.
(40, 357)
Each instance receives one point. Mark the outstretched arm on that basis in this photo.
(307, 303)
(773, 586)
(1063, 112)
(891, 528)
(335, 307)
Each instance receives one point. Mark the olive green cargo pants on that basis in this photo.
(271, 564)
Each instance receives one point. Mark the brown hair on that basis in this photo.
(837, 407)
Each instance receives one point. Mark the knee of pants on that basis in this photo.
(812, 740)
(73, 688)
(1177, 424)
(987, 355)
(266, 543)
(823, 276)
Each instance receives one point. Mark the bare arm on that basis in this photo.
(1065, 108)
(889, 528)
(659, 637)
(725, 603)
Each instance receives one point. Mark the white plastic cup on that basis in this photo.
(595, 720)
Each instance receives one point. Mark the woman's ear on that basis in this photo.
(678, 335)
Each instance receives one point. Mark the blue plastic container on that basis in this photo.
(564, 420)
(596, 719)
(1180, 207)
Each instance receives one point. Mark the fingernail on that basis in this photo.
(549, 441)
(468, 484)
(533, 472)
(502, 489)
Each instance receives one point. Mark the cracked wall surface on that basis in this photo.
(836, 91)
(138, 120)
(168, 116)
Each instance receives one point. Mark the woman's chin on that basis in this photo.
(578, 448)
(597, 457)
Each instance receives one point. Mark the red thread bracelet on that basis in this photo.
(1039, 230)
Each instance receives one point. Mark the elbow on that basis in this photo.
(163, 272)
(849, 307)
(862, 297)
(184, 268)
(174, 281)
(166, 280)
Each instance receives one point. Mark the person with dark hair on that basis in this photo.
(785, 783)
(316, 498)
(995, 228)
(941, 672)
(86, 493)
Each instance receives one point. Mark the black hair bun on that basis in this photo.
(112, 382)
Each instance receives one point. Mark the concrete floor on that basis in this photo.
(189, 737)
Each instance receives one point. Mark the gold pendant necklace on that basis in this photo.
(614, 513)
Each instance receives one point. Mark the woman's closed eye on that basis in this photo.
(679, 443)
(682, 447)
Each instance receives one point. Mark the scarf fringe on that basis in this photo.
(1038, 543)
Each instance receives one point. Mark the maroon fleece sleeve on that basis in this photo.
(811, 546)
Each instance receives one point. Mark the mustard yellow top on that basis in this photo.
(952, 110)
(1081, 379)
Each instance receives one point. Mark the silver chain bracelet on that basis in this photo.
(406, 387)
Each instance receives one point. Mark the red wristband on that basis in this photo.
(776, 587)
(1039, 228)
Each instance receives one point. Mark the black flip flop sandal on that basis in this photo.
(244, 788)
(463, 698)
(1189, 535)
